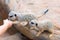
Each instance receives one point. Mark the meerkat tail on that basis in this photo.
(44, 13)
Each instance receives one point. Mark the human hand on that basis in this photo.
(7, 23)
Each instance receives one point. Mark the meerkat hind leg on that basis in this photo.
(51, 33)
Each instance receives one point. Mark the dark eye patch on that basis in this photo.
(15, 15)
(32, 23)
(36, 24)
(11, 16)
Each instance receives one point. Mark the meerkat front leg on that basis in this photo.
(38, 33)
(34, 28)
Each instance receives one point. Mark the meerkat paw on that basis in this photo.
(15, 22)
(32, 28)
(38, 34)
(50, 35)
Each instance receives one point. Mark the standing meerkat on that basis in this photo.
(41, 26)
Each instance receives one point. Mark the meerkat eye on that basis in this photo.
(11, 16)
(15, 15)
(32, 23)
(36, 24)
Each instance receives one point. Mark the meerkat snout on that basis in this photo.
(33, 23)
(12, 16)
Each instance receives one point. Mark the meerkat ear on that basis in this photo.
(24, 23)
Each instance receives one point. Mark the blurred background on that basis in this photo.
(31, 6)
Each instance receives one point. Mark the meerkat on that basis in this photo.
(14, 16)
(41, 26)
(19, 17)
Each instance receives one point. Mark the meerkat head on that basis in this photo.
(12, 16)
(33, 23)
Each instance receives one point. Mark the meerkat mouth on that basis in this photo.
(34, 28)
